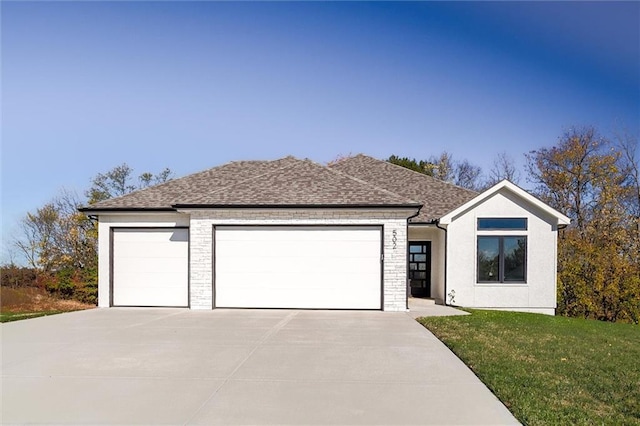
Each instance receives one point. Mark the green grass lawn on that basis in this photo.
(550, 370)
(16, 316)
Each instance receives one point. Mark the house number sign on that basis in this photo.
(394, 239)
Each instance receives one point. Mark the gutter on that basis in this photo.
(296, 206)
(124, 209)
(446, 239)
(176, 207)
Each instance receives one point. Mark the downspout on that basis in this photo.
(446, 239)
(406, 257)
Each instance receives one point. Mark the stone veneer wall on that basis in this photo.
(394, 234)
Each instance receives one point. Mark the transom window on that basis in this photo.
(502, 259)
(502, 223)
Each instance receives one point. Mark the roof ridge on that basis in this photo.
(368, 183)
(419, 174)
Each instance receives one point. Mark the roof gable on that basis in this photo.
(437, 197)
(513, 189)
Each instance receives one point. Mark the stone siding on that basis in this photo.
(394, 224)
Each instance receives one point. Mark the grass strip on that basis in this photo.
(16, 316)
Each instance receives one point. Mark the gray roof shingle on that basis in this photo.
(284, 182)
(165, 195)
(299, 182)
(438, 197)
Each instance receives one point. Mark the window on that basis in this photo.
(502, 259)
(503, 223)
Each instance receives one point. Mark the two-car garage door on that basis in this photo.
(298, 267)
(317, 267)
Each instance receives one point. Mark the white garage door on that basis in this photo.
(298, 267)
(150, 267)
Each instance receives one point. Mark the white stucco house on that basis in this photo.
(358, 234)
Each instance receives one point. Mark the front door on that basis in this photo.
(420, 268)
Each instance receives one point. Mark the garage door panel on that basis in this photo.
(316, 299)
(239, 233)
(156, 235)
(155, 297)
(275, 237)
(302, 249)
(329, 282)
(298, 267)
(156, 249)
(273, 265)
(142, 251)
(150, 267)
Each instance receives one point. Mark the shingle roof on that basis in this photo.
(284, 182)
(165, 195)
(438, 197)
(299, 182)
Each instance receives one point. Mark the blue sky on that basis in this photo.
(87, 86)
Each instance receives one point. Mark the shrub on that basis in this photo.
(69, 283)
(15, 276)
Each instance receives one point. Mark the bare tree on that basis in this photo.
(627, 145)
(503, 168)
(445, 168)
(57, 235)
(442, 167)
(468, 175)
(36, 239)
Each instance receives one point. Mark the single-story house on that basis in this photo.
(357, 234)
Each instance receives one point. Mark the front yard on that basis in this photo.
(550, 370)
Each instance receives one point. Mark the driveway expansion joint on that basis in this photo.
(269, 333)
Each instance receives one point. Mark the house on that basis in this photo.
(358, 234)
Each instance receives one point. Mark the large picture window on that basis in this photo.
(502, 259)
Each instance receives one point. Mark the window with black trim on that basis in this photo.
(502, 223)
(502, 259)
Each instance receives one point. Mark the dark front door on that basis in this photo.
(420, 268)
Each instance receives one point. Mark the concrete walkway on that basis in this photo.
(176, 366)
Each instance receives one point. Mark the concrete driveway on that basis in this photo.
(176, 366)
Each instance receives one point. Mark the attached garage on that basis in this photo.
(150, 267)
(312, 267)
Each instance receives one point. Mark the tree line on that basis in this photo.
(60, 244)
(461, 172)
(592, 179)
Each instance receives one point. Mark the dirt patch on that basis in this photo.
(31, 299)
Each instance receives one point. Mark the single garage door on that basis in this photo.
(298, 267)
(150, 267)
